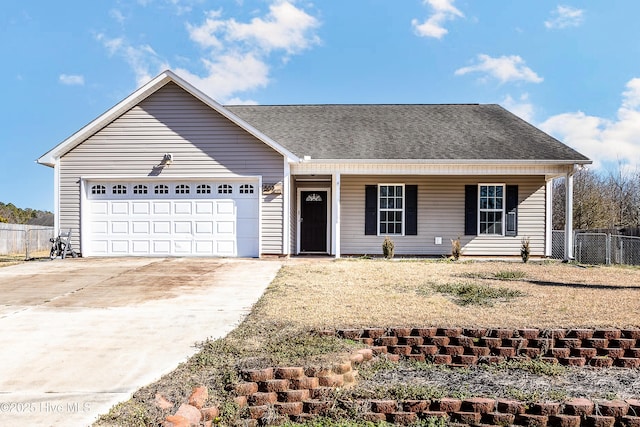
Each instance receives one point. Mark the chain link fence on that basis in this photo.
(599, 248)
(18, 239)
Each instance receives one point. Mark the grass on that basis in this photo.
(312, 295)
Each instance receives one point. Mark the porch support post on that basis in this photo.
(568, 221)
(286, 208)
(335, 215)
(548, 241)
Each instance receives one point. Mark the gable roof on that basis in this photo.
(138, 96)
(462, 132)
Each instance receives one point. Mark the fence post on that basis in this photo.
(607, 249)
(27, 231)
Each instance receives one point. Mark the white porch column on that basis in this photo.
(335, 215)
(548, 243)
(286, 208)
(568, 221)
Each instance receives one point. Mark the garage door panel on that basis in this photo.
(164, 224)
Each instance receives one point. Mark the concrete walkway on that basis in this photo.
(80, 335)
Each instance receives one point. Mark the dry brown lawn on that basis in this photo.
(314, 294)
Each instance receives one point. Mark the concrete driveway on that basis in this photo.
(80, 335)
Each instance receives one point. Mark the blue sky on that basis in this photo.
(571, 68)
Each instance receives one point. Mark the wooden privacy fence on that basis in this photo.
(24, 239)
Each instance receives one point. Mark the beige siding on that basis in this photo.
(203, 143)
(441, 214)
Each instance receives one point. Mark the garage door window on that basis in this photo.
(246, 189)
(119, 189)
(182, 189)
(140, 189)
(161, 189)
(98, 189)
(203, 189)
(225, 189)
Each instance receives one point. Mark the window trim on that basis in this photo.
(402, 210)
(502, 211)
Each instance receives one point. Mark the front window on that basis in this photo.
(491, 209)
(391, 209)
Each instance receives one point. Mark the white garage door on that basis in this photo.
(179, 219)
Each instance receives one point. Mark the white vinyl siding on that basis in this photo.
(203, 144)
(441, 214)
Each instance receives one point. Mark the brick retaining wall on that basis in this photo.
(269, 396)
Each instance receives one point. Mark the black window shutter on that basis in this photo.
(511, 228)
(470, 210)
(370, 210)
(411, 211)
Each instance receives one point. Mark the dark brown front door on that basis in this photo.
(313, 221)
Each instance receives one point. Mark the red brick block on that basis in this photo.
(579, 407)
(573, 361)
(471, 418)
(491, 342)
(510, 406)
(442, 359)
(542, 343)
(531, 420)
(624, 343)
(400, 331)
(446, 404)
(316, 407)
(350, 334)
(491, 359)
(288, 408)
(629, 421)
(634, 406)
(245, 389)
(450, 332)
(477, 351)
(366, 341)
(387, 341)
(559, 353)
(515, 342)
(418, 357)
(320, 393)
(584, 352)
(599, 421)
(356, 359)
(631, 333)
(293, 395)
(257, 375)
(440, 341)
(633, 352)
(608, 333)
(478, 404)
(601, 362)
(465, 341)
(210, 413)
(467, 359)
(261, 398)
(545, 408)
(475, 332)
(189, 412)
(403, 418)
(504, 351)
(331, 381)
(402, 350)
(530, 352)
(562, 420)
(240, 401)
(424, 332)
(452, 350)
(596, 342)
(613, 408)
(529, 333)
(273, 385)
(350, 377)
(289, 372)
(580, 334)
(550, 360)
(427, 350)
(379, 349)
(162, 402)
(393, 357)
(374, 417)
(417, 406)
(627, 362)
(304, 383)
(568, 342)
(373, 332)
(384, 406)
(502, 333)
(555, 333)
(257, 412)
(367, 353)
(411, 341)
(613, 353)
(176, 421)
(498, 418)
(341, 368)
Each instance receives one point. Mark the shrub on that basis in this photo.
(525, 249)
(387, 248)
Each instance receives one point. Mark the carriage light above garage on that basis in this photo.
(167, 159)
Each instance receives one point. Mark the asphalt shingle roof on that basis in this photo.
(425, 132)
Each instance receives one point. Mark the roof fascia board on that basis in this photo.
(483, 162)
(49, 158)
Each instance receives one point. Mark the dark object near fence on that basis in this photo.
(61, 246)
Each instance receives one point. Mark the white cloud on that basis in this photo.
(443, 10)
(520, 107)
(117, 16)
(564, 17)
(603, 141)
(505, 69)
(71, 79)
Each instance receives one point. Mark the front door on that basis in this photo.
(313, 221)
